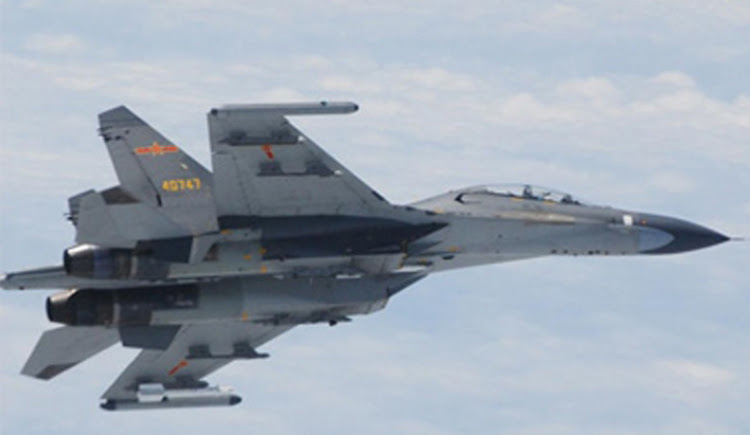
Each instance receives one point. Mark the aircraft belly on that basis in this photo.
(259, 300)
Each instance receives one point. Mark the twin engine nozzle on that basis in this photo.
(81, 307)
(130, 307)
(90, 261)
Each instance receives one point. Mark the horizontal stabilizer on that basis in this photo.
(62, 348)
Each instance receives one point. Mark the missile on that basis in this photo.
(319, 108)
(155, 396)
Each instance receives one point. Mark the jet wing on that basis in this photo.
(264, 166)
(172, 377)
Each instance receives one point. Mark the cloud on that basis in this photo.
(595, 88)
(672, 183)
(698, 374)
(55, 44)
(526, 110)
(551, 18)
(695, 383)
(674, 78)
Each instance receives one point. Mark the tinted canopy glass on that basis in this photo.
(524, 191)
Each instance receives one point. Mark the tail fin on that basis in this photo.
(62, 348)
(154, 171)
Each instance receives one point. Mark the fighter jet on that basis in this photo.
(201, 268)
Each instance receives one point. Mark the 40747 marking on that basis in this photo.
(180, 184)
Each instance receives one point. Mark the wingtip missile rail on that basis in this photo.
(156, 396)
(318, 108)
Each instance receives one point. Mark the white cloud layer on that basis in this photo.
(642, 105)
(56, 44)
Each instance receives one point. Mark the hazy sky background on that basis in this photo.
(640, 104)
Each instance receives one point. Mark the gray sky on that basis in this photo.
(641, 104)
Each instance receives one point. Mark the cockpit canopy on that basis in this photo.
(524, 191)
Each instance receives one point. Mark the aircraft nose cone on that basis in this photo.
(686, 236)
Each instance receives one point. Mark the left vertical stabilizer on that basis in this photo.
(154, 171)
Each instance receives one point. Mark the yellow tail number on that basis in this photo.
(180, 184)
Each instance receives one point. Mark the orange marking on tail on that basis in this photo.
(177, 367)
(156, 150)
(267, 149)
